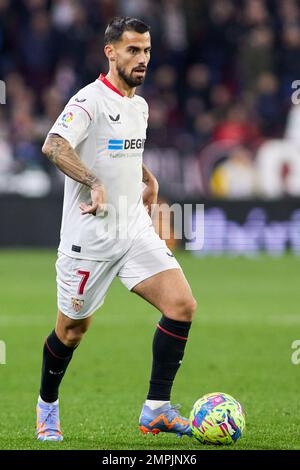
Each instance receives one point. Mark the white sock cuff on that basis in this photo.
(40, 400)
(154, 404)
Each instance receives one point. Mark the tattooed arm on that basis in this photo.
(62, 154)
(151, 191)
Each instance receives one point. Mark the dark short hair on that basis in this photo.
(119, 24)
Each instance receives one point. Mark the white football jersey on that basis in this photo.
(108, 132)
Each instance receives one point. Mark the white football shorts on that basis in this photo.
(82, 284)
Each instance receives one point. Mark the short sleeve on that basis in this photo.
(73, 124)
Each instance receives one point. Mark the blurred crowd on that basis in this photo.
(219, 87)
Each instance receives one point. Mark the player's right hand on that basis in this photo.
(98, 204)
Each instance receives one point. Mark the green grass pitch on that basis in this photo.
(240, 343)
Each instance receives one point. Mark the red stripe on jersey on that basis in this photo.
(169, 333)
(78, 106)
(104, 80)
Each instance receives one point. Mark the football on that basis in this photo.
(218, 419)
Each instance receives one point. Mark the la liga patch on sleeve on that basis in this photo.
(66, 119)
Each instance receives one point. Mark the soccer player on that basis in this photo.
(97, 142)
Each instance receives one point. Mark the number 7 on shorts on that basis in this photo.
(84, 275)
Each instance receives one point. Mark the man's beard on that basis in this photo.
(129, 80)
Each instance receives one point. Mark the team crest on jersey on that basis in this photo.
(77, 304)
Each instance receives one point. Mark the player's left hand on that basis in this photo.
(150, 194)
(98, 204)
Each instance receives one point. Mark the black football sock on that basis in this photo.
(56, 358)
(168, 348)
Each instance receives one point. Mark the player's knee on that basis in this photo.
(73, 335)
(188, 309)
(184, 309)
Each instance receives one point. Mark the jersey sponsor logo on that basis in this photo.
(66, 119)
(126, 144)
(80, 100)
(77, 304)
(115, 119)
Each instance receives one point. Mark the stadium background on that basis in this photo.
(223, 131)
